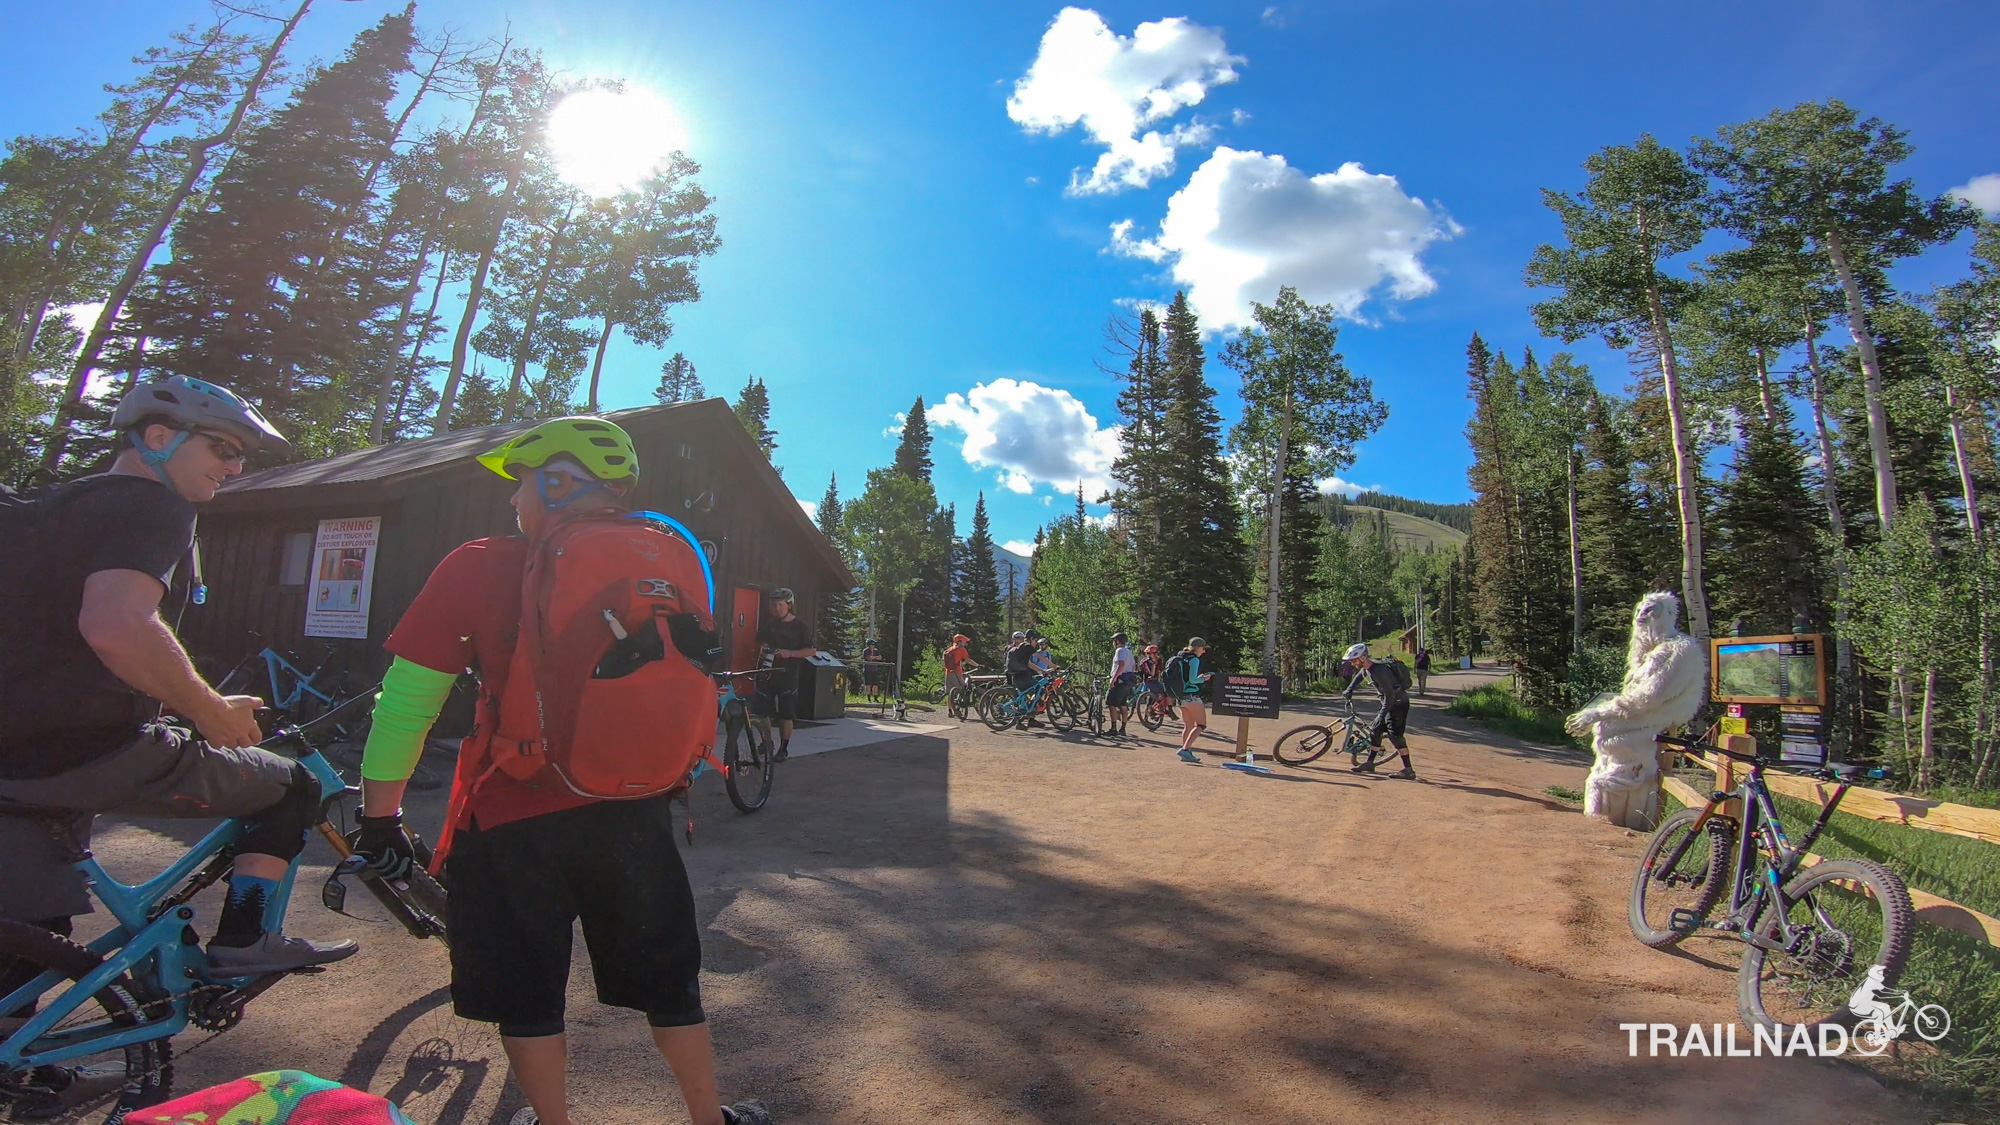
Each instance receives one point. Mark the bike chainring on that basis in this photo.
(215, 1008)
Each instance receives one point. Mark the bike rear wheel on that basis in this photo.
(1063, 712)
(1300, 745)
(1000, 707)
(1846, 916)
(98, 1087)
(747, 766)
(1689, 885)
(1151, 708)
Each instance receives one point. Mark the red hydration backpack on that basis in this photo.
(603, 694)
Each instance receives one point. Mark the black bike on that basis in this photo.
(1811, 935)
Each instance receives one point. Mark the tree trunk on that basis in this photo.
(1871, 375)
(1575, 559)
(135, 266)
(597, 365)
(387, 379)
(1836, 522)
(475, 291)
(1764, 386)
(525, 344)
(1276, 518)
(1686, 471)
(1927, 745)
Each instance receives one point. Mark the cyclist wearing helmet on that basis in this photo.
(1124, 677)
(530, 860)
(790, 642)
(1392, 683)
(88, 658)
(957, 662)
(1151, 668)
(871, 669)
(1021, 673)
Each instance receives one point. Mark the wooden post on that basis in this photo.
(1242, 735)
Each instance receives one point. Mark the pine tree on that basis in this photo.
(1139, 501)
(913, 452)
(753, 409)
(1198, 562)
(262, 293)
(478, 401)
(678, 382)
(836, 607)
(980, 613)
(1769, 567)
(1619, 565)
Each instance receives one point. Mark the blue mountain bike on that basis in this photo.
(94, 1027)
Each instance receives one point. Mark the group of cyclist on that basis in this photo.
(91, 670)
(1182, 682)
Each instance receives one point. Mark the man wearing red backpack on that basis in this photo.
(560, 810)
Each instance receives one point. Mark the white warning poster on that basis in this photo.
(343, 572)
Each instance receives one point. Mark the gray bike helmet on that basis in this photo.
(1356, 652)
(191, 404)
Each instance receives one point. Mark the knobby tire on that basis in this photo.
(147, 1068)
(1846, 931)
(1302, 745)
(1695, 883)
(748, 768)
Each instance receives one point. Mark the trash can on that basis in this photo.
(822, 688)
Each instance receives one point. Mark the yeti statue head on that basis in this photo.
(1655, 620)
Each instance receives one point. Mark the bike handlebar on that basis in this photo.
(1832, 771)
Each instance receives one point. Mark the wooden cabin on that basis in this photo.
(258, 535)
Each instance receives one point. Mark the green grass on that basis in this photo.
(1964, 870)
(1495, 706)
(1566, 795)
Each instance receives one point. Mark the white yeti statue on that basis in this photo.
(1666, 674)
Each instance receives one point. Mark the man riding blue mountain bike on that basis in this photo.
(88, 659)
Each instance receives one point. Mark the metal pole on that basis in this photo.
(899, 645)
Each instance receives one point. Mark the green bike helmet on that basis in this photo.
(601, 448)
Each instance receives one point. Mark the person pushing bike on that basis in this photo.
(1392, 683)
(958, 663)
(88, 658)
(790, 642)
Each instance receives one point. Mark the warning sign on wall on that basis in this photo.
(343, 573)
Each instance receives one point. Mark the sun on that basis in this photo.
(608, 141)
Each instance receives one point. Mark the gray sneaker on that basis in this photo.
(749, 1111)
(277, 953)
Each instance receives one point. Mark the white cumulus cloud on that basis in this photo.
(1982, 192)
(1023, 547)
(1346, 488)
(1115, 86)
(1247, 223)
(1031, 434)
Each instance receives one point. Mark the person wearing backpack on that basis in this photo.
(1184, 679)
(92, 572)
(590, 635)
(1392, 683)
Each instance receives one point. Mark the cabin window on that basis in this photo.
(295, 562)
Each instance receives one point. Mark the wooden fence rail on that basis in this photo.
(1874, 804)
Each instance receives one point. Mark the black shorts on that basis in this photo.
(1120, 694)
(514, 891)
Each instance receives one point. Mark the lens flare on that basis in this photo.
(609, 141)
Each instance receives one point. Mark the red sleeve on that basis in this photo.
(437, 630)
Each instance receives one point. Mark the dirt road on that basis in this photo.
(975, 928)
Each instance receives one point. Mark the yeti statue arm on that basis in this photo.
(1663, 690)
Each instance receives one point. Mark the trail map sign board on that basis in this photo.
(343, 576)
(1252, 697)
(1788, 670)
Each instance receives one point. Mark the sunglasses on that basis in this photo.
(226, 451)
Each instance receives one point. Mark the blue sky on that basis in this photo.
(890, 231)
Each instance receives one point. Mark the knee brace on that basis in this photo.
(280, 830)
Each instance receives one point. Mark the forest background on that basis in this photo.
(385, 246)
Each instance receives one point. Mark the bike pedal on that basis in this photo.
(1683, 921)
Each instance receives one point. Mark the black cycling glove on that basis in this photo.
(386, 846)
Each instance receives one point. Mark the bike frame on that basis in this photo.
(154, 924)
(1760, 826)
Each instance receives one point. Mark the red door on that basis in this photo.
(743, 622)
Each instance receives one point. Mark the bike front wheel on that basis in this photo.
(1682, 873)
(1152, 710)
(95, 1087)
(1301, 745)
(747, 766)
(1063, 712)
(1842, 918)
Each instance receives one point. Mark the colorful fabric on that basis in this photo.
(276, 1097)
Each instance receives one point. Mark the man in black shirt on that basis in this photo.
(86, 660)
(789, 641)
(1392, 683)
